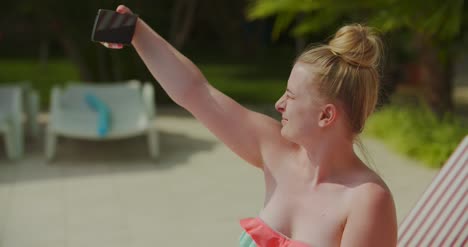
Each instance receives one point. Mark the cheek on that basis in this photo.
(306, 120)
(306, 114)
(295, 131)
(301, 122)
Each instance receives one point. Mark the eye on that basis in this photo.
(289, 94)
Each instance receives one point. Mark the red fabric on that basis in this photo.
(264, 236)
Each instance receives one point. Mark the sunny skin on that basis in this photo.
(317, 189)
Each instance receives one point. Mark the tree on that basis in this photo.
(436, 28)
(182, 21)
(64, 29)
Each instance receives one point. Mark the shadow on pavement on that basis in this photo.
(88, 158)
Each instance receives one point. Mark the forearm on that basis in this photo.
(177, 75)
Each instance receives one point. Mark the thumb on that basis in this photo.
(122, 9)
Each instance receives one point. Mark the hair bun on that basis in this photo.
(358, 45)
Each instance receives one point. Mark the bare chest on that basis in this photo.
(316, 217)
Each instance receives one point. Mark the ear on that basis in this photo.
(327, 115)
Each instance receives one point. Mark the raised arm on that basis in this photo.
(249, 134)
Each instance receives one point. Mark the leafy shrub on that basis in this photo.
(417, 132)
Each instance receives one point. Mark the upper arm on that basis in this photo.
(249, 134)
(372, 219)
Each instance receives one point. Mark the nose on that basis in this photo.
(280, 104)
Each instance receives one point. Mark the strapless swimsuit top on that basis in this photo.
(258, 234)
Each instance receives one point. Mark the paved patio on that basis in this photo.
(111, 194)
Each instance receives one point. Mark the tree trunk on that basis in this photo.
(103, 64)
(117, 74)
(182, 21)
(437, 78)
(300, 42)
(44, 52)
(73, 52)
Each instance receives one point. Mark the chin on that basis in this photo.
(284, 133)
(288, 136)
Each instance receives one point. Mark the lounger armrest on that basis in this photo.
(33, 111)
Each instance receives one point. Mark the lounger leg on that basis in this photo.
(32, 114)
(153, 143)
(10, 144)
(51, 142)
(18, 140)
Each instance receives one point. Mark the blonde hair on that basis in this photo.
(347, 67)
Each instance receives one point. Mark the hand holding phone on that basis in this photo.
(114, 29)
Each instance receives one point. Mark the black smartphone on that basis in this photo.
(112, 27)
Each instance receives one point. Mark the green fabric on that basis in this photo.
(246, 241)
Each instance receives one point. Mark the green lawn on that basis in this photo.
(252, 83)
(246, 83)
(413, 131)
(57, 72)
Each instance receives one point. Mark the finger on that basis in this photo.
(115, 46)
(123, 10)
(112, 45)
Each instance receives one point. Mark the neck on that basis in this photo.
(328, 159)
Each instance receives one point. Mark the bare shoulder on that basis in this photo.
(371, 219)
(371, 187)
(372, 193)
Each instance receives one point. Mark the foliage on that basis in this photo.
(243, 84)
(439, 19)
(436, 18)
(417, 132)
(57, 72)
(433, 29)
(247, 83)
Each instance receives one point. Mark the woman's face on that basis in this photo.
(301, 106)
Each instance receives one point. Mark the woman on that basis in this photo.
(318, 192)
